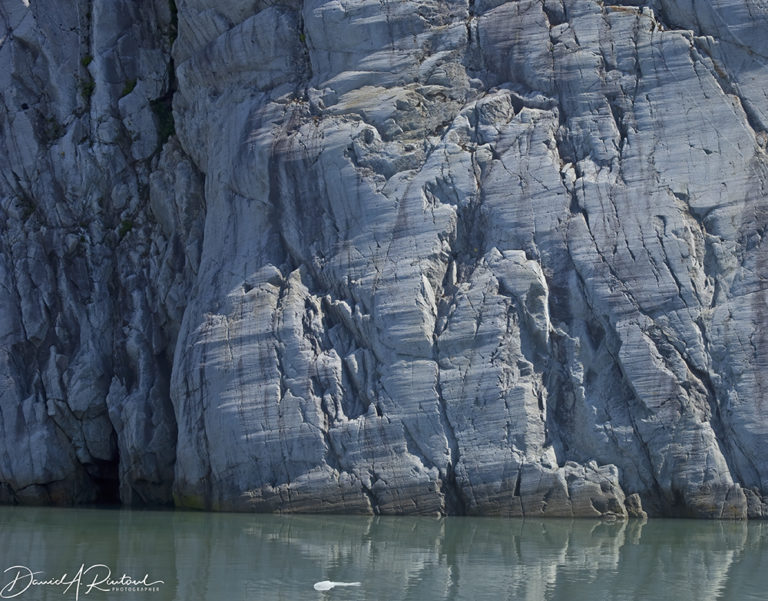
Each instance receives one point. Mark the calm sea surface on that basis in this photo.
(72, 554)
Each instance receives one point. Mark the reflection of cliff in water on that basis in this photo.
(240, 556)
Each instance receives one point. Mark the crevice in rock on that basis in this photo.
(619, 118)
(518, 478)
(453, 498)
(277, 317)
(558, 420)
(102, 475)
(473, 59)
(371, 496)
(106, 480)
(162, 107)
(84, 78)
(353, 402)
(555, 12)
(305, 73)
(332, 458)
(470, 18)
(575, 207)
(468, 243)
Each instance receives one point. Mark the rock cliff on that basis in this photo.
(416, 256)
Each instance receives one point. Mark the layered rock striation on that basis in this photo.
(467, 257)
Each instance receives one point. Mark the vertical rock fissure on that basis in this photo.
(453, 496)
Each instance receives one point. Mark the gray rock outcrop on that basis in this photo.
(474, 257)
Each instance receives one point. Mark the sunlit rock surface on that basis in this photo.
(394, 257)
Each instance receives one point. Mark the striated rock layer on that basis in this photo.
(416, 256)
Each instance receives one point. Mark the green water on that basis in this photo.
(234, 557)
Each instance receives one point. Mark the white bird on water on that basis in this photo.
(326, 585)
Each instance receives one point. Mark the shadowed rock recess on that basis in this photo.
(416, 256)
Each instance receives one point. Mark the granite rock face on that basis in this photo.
(482, 257)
